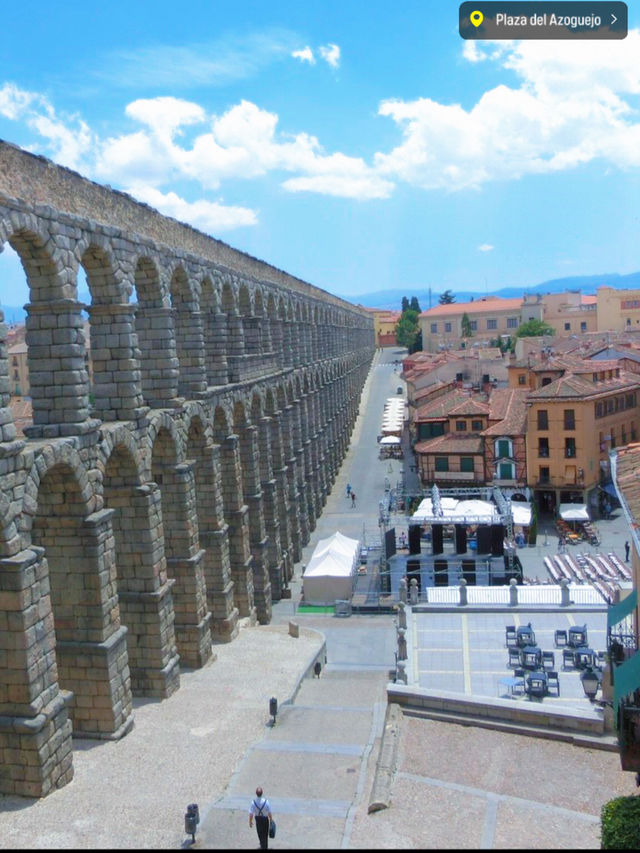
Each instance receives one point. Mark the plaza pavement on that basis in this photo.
(211, 743)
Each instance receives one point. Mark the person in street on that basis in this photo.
(626, 551)
(348, 490)
(353, 499)
(261, 810)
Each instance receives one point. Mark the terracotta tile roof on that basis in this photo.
(508, 407)
(441, 407)
(628, 477)
(470, 406)
(478, 306)
(576, 387)
(451, 443)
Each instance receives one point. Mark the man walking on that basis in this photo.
(353, 499)
(626, 551)
(261, 810)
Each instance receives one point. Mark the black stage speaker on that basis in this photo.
(436, 538)
(484, 540)
(441, 571)
(415, 532)
(390, 542)
(497, 540)
(413, 571)
(461, 538)
(469, 571)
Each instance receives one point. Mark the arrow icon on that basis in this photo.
(613, 19)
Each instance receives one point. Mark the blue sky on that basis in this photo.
(361, 146)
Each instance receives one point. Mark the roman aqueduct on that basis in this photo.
(143, 515)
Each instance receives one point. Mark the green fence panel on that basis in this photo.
(617, 612)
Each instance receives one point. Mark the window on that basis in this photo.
(461, 426)
(14, 361)
(544, 475)
(546, 380)
(522, 379)
(473, 325)
(447, 327)
(583, 326)
(569, 419)
(599, 410)
(466, 463)
(543, 447)
(442, 463)
(543, 419)
(434, 328)
(613, 438)
(476, 426)
(570, 447)
(492, 324)
(503, 448)
(16, 375)
(506, 471)
(512, 322)
(567, 327)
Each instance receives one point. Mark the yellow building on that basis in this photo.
(618, 310)
(384, 325)
(568, 313)
(573, 421)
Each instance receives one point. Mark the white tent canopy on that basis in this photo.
(521, 513)
(390, 439)
(330, 573)
(457, 512)
(574, 512)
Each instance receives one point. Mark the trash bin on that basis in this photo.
(342, 607)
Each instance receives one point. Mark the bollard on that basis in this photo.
(463, 593)
(402, 644)
(401, 672)
(273, 709)
(565, 596)
(402, 615)
(191, 820)
(294, 629)
(413, 591)
(513, 593)
(403, 590)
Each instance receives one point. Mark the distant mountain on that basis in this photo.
(392, 299)
(587, 284)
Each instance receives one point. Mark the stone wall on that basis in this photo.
(144, 514)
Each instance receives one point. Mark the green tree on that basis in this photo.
(404, 303)
(446, 298)
(407, 329)
(465, 323)
(533, 329)
(414, 305)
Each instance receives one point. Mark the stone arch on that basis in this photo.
(162, 421)
(58, 380)
(120, 436)
(37, 253)
(53, 455)
(155, 335)
(103, 277)
(78, 548)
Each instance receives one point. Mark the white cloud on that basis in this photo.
(206, 215)
(572, 106)
(304, 55)
(68, 136)
(485, 247)
(217, 62)
(331, 54)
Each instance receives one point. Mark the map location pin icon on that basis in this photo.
(476, 18)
